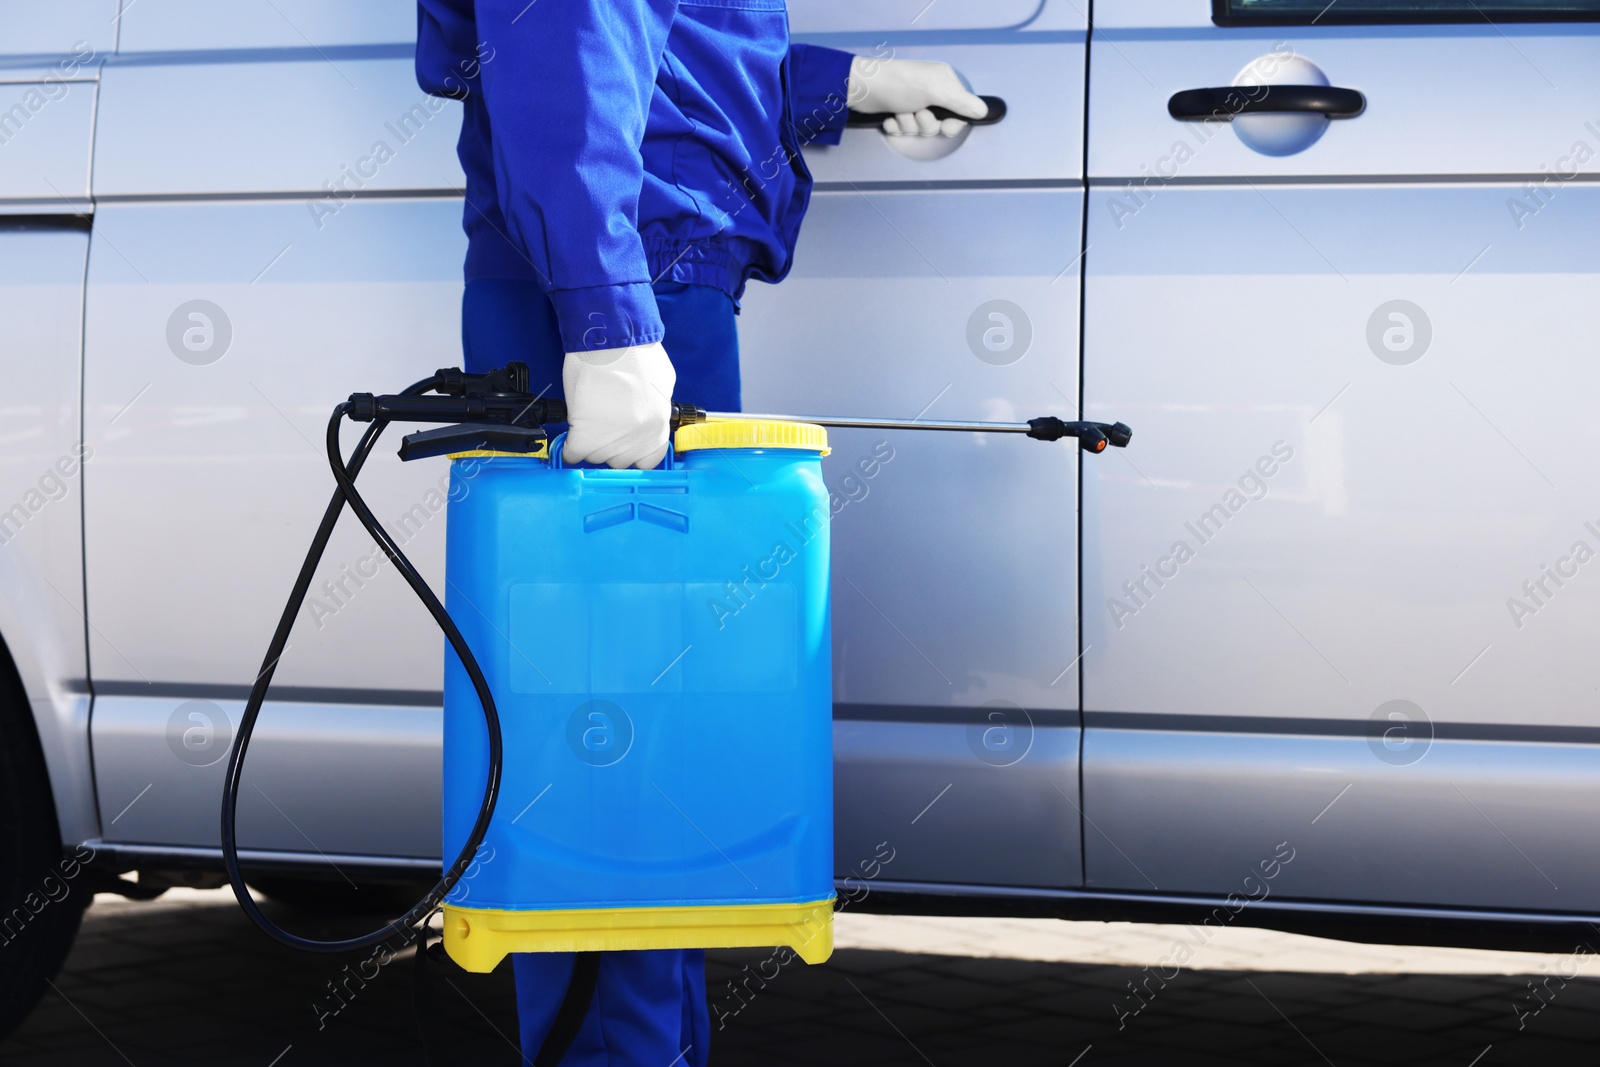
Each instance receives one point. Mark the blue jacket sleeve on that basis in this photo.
(445, 34)
(567, 93)
(819, 85)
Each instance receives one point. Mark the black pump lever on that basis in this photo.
(471, 437)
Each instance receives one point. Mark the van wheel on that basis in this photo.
(42, 894)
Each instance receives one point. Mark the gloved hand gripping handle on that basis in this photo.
(997, 111)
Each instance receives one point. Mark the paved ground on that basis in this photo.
(186, 980)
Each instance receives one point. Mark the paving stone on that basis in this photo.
(1411, 1014)
(1449, 989)
(1090, 1005)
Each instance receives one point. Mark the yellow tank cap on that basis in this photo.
(752, 433)
(542, 452)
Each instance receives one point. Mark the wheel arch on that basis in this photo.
(51, 693)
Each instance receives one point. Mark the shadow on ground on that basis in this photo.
(156, 984)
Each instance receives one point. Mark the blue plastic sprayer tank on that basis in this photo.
(658, 645)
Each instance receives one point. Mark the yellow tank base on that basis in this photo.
(477, 939)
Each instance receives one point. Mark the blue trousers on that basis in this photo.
(505, 319)
(649, 1008)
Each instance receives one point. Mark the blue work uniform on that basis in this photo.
(612, 144)
(631, 165)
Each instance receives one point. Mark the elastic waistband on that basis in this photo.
(721, 264)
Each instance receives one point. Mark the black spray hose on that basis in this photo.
(344, 474)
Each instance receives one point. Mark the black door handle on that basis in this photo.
(1225, 102)
(997, 111)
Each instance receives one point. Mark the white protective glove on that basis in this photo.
(908, 88)
(619, 405)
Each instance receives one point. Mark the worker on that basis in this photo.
(630, 166)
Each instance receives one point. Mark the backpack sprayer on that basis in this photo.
(678, 616)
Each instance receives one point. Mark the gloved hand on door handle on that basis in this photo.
(908, 88)
(619, 405)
